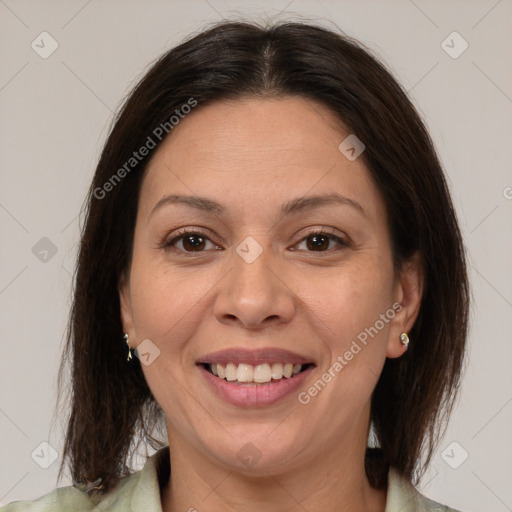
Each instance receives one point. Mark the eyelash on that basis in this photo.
(184, 233)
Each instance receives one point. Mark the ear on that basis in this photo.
(408, 294)
(125, 303)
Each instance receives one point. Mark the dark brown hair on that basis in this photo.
(111, 404)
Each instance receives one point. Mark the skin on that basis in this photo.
(252, 156)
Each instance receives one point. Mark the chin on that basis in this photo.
(254, 451)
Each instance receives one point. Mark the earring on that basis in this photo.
(404, 338)
(127, 340)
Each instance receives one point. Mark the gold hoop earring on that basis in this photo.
(404, 339)
(127, 340)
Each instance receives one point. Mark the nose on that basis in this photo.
(255, 295)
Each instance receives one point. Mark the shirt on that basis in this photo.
(140, 492)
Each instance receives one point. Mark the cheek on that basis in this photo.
(344, 307)
(167, 308)
(164, 303)
(349, 302)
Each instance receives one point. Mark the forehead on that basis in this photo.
(257, 149)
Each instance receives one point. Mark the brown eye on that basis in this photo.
(321, 242)
(189, 241)
(193, 243)
(317, 242)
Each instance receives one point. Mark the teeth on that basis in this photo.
(245, 373)
(260, 373)
(277, 371)
(231, 371)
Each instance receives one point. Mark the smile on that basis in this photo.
(254, 378)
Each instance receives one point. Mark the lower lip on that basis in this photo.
(254, 395)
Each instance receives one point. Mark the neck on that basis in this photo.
(334, 481)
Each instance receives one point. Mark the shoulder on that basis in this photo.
(139, 491)
(64, 498)
(403, 497)
(72, 498)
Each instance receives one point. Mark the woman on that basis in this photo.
(270, 230)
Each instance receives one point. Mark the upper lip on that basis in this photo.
(254, 356)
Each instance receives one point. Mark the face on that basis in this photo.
(260, 248)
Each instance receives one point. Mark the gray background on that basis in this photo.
(54, 116)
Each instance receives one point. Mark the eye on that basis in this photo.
(320, 241)
(191, 241)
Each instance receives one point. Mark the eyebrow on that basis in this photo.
(292, 207)
(309, 202)
(200, 203)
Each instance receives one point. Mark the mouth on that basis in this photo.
(254, 378)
